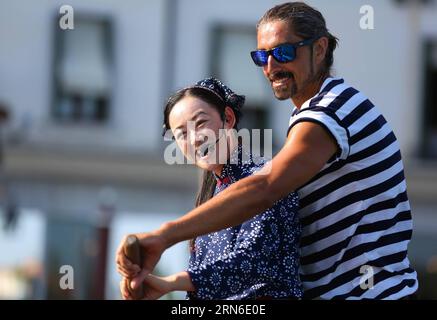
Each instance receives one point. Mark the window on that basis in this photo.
(82, 73)
(231, 62)
(429, 147)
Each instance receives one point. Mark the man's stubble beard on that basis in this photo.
(286, 93)
(294, 91)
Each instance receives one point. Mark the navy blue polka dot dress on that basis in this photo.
(257, 259)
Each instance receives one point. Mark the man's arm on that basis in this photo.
(307, 149)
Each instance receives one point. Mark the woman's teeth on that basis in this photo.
(202, 152)
(205, 152)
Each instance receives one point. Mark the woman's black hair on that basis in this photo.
(218, 101)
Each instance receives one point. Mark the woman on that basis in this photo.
(257, 259)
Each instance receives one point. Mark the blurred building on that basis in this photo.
(86, 106)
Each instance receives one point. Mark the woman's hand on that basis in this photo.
(156, 287)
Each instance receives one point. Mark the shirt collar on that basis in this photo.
(306, 104)
(234, 169)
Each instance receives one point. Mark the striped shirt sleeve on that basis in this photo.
(330, 122)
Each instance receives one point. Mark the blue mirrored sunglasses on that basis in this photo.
(283, 53)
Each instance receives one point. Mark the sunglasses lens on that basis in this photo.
(259, 57)
(284, 53)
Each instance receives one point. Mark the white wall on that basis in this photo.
(379, 62)
(26, 53)
(385, 63)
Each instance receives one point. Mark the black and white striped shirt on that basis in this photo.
(355, 212)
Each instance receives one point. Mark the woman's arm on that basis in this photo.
(156, 286)
(182, 282)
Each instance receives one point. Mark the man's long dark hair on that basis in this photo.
(208, 184)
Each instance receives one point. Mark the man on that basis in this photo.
(342, 158)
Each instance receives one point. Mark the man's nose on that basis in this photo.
(272, 65)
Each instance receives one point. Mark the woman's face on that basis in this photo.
(195, 125)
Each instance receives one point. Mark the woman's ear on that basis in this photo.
(230, 120)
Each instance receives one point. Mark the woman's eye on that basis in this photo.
(180, 135)
(200, 123)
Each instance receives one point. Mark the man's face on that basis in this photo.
(288, 80)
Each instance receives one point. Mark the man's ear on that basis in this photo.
(229, 118)
(320, 48)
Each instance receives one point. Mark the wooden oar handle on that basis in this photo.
(133, 252)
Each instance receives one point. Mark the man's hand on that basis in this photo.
(153, 245)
